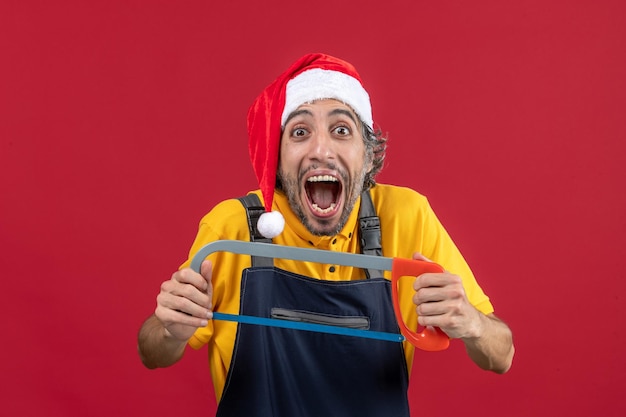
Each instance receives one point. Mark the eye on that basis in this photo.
(299, 132)
(342, 131)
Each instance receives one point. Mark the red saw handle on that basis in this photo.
(431, 339)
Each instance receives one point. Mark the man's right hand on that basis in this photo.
(184, 303)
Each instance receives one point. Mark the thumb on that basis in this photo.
(206, 270)
(419, 257)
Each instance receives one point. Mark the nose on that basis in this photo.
(322, 146)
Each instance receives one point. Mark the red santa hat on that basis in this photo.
(312, 77)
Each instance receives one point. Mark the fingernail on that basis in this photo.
(209, 315)
(204, 323)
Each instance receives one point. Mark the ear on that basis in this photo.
(369, 161)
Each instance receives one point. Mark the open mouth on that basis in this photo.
(323, 193)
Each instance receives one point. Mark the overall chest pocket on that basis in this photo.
(352, 322)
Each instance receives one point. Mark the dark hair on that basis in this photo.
(375, 148)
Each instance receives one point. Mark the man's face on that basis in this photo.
(322, 164)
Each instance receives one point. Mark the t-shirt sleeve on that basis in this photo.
(441, 249)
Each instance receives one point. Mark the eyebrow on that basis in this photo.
(344, 112)
(331, 113)
(297, 113)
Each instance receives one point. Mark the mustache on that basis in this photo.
(343, 174)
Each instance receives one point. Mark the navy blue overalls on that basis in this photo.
(292, 373)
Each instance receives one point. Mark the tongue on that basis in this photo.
(323, 194)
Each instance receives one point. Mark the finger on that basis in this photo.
(195, 305)
(437, 287)
(433, 321)
(433, 308)
(428, 280)
(189, 276)
(428, 295)
(438, 280)
(178, 286)
(170, 316)
(173, 292)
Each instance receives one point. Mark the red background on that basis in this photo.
(123, 122)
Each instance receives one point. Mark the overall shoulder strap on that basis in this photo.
(254, 209)
(369, 232)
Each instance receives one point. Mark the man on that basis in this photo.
(315, 153)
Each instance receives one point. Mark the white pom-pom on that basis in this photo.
(271, 224)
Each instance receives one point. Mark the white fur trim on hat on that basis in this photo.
(319, 84)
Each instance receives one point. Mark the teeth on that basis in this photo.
(326, 210)
(322, 178)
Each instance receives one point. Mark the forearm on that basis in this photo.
(493, 348)
(157, 348)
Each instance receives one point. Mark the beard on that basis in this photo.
(290, 185)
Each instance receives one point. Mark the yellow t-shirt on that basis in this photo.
(408, 225)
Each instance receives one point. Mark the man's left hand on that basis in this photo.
(441, 301)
